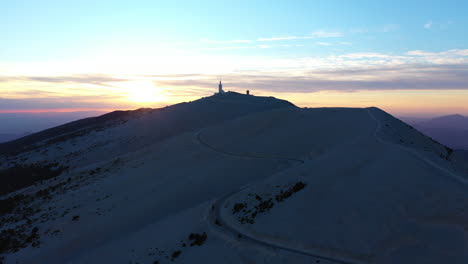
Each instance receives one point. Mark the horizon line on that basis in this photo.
(57, 110)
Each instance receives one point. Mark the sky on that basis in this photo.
(409, 58)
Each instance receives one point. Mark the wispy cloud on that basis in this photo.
(390, 27)
(96, 79)
(291, 45)
(325, 44)
(441, 25)
(333, 43)
(229, 48)
(413, 70)
(365, 55)
(281, 38)
(420, 53)
(226, 41)
(444, 54)
(428, 25)
(359, 30)
(405, 77)
(327, 34)
(79, 103)
(313, 35)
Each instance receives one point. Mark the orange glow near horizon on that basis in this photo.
(145, 92)
(63, 110)
(427, 103)
(400, 103)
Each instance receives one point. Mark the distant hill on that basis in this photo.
(4, 137)
(450, 130)
(454, 122)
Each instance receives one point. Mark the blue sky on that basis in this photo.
(38, 30)
(126, 54)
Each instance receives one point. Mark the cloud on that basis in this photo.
(359, 30)
(264, 46)
(369, 78)
(226, 41)
(325, 44)
(441, 25)
(405, 77)
(77, 102)
(420, 53)
(333, 44)
(428, 25)
(364, 55)
(448, 53)
(174, 75)
(314, 35)
(96, 79)
(326, 34)
(390, 27)
(291, 45)
(229, 48)
(413, 70)
(280, 38)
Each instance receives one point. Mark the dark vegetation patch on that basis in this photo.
(21, 212)
(175, 254)
(9, 204)
(263, 204)
(17, 208)
(18, 213)
(449, 153)
(197, 239)
(237, 207)
(193, 239)
(95, 171)
(13, 239)
(20, 176)
(286, 194)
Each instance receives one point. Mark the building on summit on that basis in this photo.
(220, 88)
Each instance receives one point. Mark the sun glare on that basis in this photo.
(143, 92)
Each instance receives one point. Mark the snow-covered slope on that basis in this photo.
(242, 179)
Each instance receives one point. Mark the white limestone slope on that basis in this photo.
(374, 200)
(376, 190)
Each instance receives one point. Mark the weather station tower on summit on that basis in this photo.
(220, 88)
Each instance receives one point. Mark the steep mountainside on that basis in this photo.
(239, 179)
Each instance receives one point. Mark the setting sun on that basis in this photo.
(143, 92)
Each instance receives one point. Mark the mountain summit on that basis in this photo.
(233, 178)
